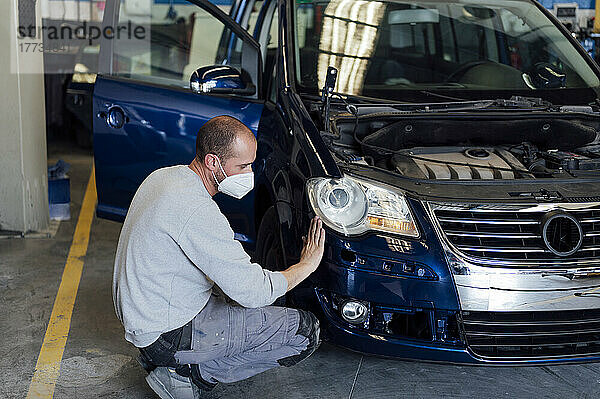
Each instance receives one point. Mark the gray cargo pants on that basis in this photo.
(230, 343)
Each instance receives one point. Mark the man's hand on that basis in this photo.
(314, 244)
(311, 255)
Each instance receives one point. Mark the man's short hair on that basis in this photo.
(217, 135)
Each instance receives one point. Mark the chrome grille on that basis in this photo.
(513, 232)
(514, 335)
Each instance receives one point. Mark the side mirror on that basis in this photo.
(221, 79)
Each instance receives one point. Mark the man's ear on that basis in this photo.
(211, 162)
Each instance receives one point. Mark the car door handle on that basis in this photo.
(115, 117)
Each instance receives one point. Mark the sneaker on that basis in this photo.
(167, 384)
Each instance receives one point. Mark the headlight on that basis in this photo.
(352, 206)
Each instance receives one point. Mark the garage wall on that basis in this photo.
(23, 169)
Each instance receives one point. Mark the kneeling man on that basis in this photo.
(187, 294)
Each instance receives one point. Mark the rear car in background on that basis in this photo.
(450, 147)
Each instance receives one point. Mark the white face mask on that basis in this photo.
(236, 185)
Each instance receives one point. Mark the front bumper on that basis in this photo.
(476, 314)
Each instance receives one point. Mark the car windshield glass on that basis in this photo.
(382, 48)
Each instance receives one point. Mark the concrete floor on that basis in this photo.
(98, 363)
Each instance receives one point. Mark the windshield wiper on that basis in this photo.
(514, 102)
(523, 102)
(539, 104)
(448, 106)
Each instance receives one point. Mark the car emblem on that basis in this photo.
(562, 233)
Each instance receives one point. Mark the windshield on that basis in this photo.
(382, 48)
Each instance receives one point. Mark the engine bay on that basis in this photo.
(470, 147)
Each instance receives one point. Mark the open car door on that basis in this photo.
(146, 114)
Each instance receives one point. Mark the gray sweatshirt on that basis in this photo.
(174, 245)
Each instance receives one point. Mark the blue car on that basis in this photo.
(451, 148)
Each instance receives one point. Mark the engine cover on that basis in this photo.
(458, 163)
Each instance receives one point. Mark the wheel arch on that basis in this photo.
(265, 199)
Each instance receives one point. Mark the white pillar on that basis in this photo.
(23, 158)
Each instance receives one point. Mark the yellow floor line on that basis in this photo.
(47, 368)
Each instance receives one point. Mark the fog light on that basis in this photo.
(354, 312)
